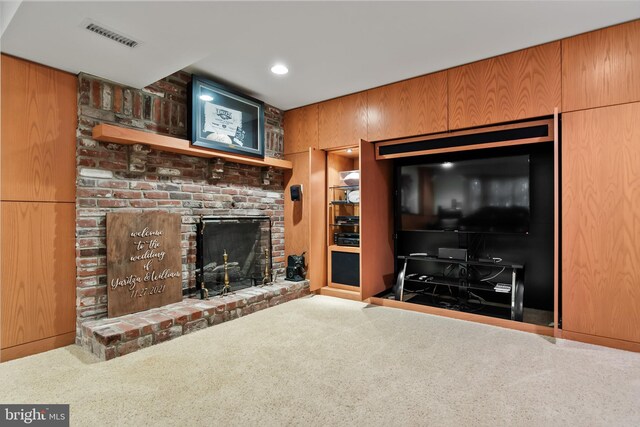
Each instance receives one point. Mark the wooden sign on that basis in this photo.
(144, 261)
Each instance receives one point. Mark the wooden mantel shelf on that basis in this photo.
(120, 135)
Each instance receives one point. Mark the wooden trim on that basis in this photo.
(556, 223)
(352, 249)
(39, 346)
(485, 129)
(119, 135)
(344, 287)
(478, 318)
(606, 342)
(339, 293)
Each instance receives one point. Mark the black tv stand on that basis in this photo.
(463, 282)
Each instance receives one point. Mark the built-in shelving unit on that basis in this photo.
(343, 236)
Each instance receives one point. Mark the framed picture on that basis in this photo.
(225, 120)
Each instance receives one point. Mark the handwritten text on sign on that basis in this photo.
(143, 261)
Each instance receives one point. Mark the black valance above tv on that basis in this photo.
(488, 137)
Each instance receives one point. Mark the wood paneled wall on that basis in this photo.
(37, 289)
(411, 107)
(342, 121)
(600, 217)
(317, 198)
(38, 271)
(586, 71)
(595, 78)
(377, 260)
(38, 162)
(301, 129)
(601, 67)
(296, 219)
(305, 220)
(509, 87)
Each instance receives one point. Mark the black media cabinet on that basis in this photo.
(463, 281)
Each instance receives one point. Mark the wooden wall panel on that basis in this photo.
(301, 129)
(600, 222)
(342, 122)
(296, 214)
(316, 196)
(411, 107)
(376, 222)
(601, 67)
(38, 271)
(518, 85)
(39, 121)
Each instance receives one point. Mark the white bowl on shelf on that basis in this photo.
(350, 177)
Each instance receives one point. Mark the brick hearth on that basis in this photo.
(111, 338)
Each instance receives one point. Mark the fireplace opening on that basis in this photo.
(246, 241)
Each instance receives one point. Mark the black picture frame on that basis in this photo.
(225, 120)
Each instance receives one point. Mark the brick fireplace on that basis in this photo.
(119, 178)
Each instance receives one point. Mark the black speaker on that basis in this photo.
(345, 268)
(452, 253)
(296, 193)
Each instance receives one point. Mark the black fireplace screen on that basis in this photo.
(247, 242)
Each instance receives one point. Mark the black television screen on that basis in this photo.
(489, 195)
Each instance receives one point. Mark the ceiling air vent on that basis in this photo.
(98, 29)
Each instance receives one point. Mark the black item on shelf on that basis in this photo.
(346, 239)
(452, 253)
(295, 268)
(348, 219)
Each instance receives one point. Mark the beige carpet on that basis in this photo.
(324, 361)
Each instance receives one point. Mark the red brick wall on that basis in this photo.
(112, 177)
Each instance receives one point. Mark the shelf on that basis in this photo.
(125, 136)
(338, 248)
(457, 261)
(444, 281)
(342, 203)
(344, 225)
(344, 187)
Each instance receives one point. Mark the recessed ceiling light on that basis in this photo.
(447, 165)
(279, 69)
(206, 98)
(349, 150)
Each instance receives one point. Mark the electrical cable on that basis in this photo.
(486, 279)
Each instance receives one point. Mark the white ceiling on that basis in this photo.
(331, 48)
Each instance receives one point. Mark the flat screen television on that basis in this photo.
(484, 195)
